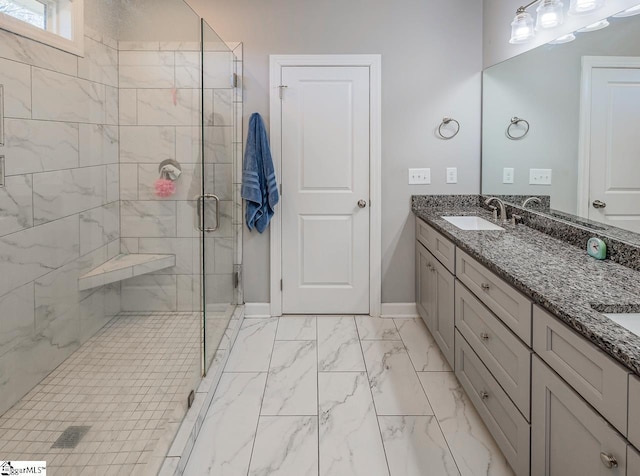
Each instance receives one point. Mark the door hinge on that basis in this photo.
(234, 80)
(281, 190)
(282, 88)
(236, 280)
(281, 285)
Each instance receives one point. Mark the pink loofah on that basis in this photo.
(165, 188)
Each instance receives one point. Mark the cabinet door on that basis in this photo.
(443, 283)
(424, 289)
(633, 461)
(568, 437)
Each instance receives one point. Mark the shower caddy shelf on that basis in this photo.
(124, 266)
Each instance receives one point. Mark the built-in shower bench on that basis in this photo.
(123, 267)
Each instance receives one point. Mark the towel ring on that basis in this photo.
(446, 121)
(514, 122)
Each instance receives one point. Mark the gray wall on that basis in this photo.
(432, 58)
(498, 15)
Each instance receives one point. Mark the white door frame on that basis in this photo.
(373, 62)
(584, 142)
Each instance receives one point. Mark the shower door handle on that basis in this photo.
(201, 201)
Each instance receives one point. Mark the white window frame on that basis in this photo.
(75, 45)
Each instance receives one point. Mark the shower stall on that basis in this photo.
(120, 234)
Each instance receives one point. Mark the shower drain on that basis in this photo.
(71, 437)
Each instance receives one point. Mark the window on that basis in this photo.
(58, 23)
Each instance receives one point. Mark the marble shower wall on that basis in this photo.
(60, 209)
(160, 119)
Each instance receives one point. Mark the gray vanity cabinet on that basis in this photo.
(568, 437)
(633, 461)
(435, 299)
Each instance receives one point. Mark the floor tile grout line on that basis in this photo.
(264, 390)
(318, 393)
(373, 402)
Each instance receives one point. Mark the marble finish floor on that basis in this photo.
(129, 383)
(343, 396)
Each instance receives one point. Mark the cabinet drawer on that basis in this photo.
(511, 306)
(634, 410)
(442, 248)
(508, 427)
(595, 376)
(633, 461)
(506, 357)
(568, 437)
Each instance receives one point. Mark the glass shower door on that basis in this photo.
(219, 243)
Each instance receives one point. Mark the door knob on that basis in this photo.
(362, 203)
(599, 204)
(608, 460)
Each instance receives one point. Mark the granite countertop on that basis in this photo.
(557, 276)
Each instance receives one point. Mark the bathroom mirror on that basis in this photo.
(573, 113)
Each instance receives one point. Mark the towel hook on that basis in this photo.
(515, 121)
(446, 121)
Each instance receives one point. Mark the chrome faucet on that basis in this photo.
(529, 200)
(503, 211)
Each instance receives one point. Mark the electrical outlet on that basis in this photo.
(508, 175)
(452, 175)
(539, 176)
(419, 176)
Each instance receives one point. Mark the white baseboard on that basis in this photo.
(399, 310)
(253, 310)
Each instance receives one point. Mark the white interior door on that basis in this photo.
(325, 190)
(614, 188)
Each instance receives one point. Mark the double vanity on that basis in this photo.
(538, 332)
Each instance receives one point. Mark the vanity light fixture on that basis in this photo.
(629, 12)
(550, 15)
(522, 27)
(594, 26)
(563, 39)
(578, 7)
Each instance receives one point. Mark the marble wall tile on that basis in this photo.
(415, 446)
(64, 192)
(147, 144)
(99, 226)
(149, 292)
(189, 292)
(146, 219)
(33, 252)
(128, 182)
(128, 106)
(128, 245)
(168, 107)
(75, 100)
(39, 146)
(93, 313)
(112, 177)
(223, 256)
(111, 106)
(16, 79)
(24, 50)
(223, 181)
(188, 186)
(99, 64)
(138, 45)
(350, 441)
(180, 46)
(189, 144)
(188, 69)
(17, 319)
(218, 68)
(16, 204)
(292, 385)
(183, 248)
(286, 446)
(338, 345)
(56, 293)
(394, 384)
(223, 107)
(98, 144)
(219, 289)
(218, 145)
(146, 69)
(188, 219)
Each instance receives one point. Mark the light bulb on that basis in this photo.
(594, 26)
(629, 12)
(563, 39)
(522, 29)
(550, 14)
(579, 7)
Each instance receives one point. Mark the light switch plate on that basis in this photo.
(508, 175)
(452, 175)
(419, 176)
(539, 176)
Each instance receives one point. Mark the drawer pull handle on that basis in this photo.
(609, 461)
(484, 336)
(485, 286)
(484, 395)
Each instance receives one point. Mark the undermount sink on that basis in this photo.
(630, 321)
(472, 223)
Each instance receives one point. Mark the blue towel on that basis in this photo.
(259, 185)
